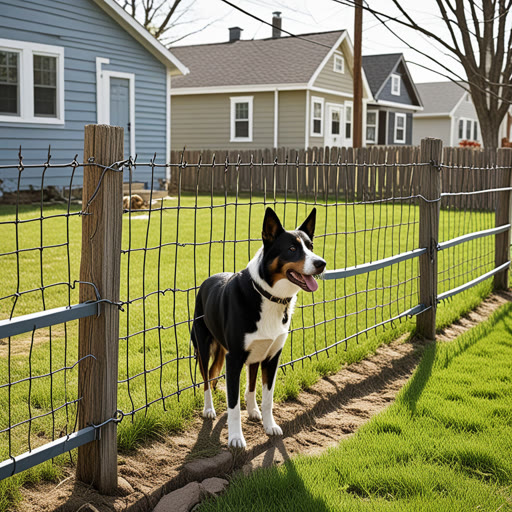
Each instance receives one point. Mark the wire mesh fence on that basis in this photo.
(368, 220)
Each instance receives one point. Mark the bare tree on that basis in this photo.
(480, 38)
(164, 18)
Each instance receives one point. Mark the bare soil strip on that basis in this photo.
(321, 417)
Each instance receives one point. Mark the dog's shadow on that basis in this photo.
(208, 442)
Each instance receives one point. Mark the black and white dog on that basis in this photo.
(245, 318)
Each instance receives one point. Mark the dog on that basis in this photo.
(244, 318)
(133, 202)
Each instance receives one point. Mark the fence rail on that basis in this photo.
(394, 224)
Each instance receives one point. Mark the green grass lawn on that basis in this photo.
(155, 361)
(445, 444)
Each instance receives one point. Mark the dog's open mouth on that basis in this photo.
(307, 283)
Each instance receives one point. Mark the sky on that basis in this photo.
(306, 16)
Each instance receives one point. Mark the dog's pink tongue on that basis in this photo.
(311, 283)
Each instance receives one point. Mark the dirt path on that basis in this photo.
(327, 413)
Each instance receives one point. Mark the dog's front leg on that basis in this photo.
(233, 370)
(250, 392)
(268, 373)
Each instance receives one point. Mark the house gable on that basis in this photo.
(333, 80)
(406, 94)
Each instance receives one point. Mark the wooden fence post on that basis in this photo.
(99, 335)
(502, 240)
(431, 150)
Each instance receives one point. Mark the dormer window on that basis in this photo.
(395, 85)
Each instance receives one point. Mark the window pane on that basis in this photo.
(242, 110)
(475, 130)
(468, 129)
(461, 128)
(370, 133)
(348, 130)
(400, 134)
(335, 127)
(242, 129)
(317, 110)
(400, 121)
(9, 83)
(45, 86)
(371, 118)
(317, 126)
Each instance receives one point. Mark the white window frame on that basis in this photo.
(317, 99)
(376, 112)
(465, 122)
(338, 57)
(241, 99)
(395, 84)
(404, 117)
(348, 120)
(26, 52)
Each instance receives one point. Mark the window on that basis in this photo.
(371, 127)
(400, 123)
(9, 83)
(335, 122)
(467, 129)
(348, 120)
(339, 63)
(317, 116)
(241, 118)
(395, 85)
(31, 82)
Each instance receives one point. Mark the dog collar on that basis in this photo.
(269, 296)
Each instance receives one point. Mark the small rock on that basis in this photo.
(206, 468)
(124, 487)
(213, 486)
(181, 500)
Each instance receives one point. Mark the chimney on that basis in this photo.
(234, 34)
(276, 24)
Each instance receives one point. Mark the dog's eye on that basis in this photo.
(292, 248)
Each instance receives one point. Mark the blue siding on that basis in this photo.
(406, 95)
(86, 32)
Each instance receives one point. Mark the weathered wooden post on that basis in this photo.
(431, 151)
(99, 335)
(502, 240)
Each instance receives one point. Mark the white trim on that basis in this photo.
(26, 51)
(233, 101)
(107, 75)
(465, 121)
(137, 31)
(349, 141)
(317, 99)
(452, 122)
(395, 80)
(404, 117)
(306, 128)
(339, 56)
(376, 112)
(334, 93)
(230, 89)
(276, 116)
(442, 114)
(326, 58)
(100, 87)
(168, 126)
(395, 104)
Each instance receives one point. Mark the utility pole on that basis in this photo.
(358, 80)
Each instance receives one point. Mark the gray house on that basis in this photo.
(68, 63)
(448, 114)
(389, 117)
(275, 92)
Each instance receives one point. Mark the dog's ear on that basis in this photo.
(272, 227)
(308, 226)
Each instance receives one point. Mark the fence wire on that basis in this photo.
(210, 221)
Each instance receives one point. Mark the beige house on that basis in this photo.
(277, 92)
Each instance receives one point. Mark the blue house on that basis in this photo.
(389, 117)
(68, 63)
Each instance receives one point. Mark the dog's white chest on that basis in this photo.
(271, 332)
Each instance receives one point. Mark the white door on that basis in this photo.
(334, 126)
(120, 107)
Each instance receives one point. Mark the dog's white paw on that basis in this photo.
(236, 441)
(209, 413)
(274, 430)
(254, 414)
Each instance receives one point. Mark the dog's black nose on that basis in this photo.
(319, 264)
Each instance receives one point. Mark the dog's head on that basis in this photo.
(289, 254)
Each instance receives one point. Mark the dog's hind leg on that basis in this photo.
(219, 354)
(202, 340)
(268, 374)
(233, 369)
(250, 392)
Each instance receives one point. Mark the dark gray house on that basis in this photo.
(389, 117)
(68, 63)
